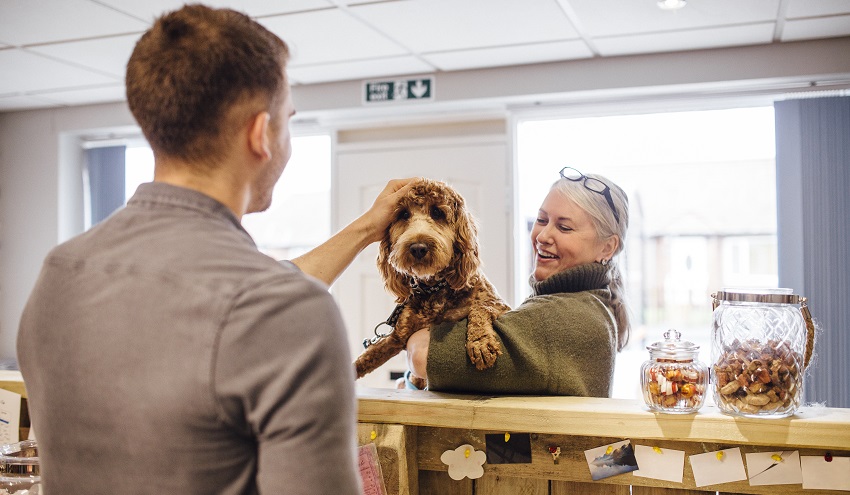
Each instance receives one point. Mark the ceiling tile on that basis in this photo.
(21, 23)
(618, 17)
(11, 103)
(109, 55)
(151, 9)
(329, 36)
(821, 27)
(441, 25)
(28, 72)
(686, 40)
(364, 69)
(510, 55)
(809, 8)
(84, 96)
(355, 2)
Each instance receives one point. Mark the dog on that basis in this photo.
(429, 261)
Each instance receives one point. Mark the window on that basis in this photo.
(702, 194)
(299, 216)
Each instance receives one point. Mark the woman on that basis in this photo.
(563, 339)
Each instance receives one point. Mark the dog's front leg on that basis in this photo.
(482, 346)
(381, 352)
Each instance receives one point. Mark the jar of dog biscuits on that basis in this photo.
(673, 380)
(762, 341)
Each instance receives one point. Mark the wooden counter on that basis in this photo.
(412, 429)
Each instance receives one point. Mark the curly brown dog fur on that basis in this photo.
(429, 261)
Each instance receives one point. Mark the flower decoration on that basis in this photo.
(464, 462)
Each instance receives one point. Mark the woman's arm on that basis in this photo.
(327, 261)
(561, 344)
(417, 352)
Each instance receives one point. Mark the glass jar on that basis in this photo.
(673, 380)
(761, 343)
(19, 469)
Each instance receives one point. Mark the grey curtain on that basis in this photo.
(106, 181)
(813, 211)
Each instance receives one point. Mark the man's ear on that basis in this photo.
(258, 136)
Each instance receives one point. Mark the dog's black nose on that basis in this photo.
(418, 250)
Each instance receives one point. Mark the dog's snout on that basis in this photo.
(419, 250)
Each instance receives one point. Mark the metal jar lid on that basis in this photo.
(767, 296)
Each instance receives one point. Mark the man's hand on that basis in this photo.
(327, 261)
(382, 212)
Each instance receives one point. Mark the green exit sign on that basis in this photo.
(399, 90)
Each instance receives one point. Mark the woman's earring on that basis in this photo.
(604, 262)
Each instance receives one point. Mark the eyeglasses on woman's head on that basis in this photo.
(592, 184)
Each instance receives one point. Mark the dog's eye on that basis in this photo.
(403, 215)
(437, 214)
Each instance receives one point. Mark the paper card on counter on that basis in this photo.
(10, 417)
(819, 474)
(774, 468)
(713, 469)
(660, 464)
(370, 470)
(610, 460)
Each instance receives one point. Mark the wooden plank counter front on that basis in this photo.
(411, 429)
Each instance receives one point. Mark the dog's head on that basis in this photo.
(432, 237)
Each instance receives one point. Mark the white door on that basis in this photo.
(476, 166)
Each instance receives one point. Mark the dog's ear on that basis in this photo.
(395, 282)
(466, 262)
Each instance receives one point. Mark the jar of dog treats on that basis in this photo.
(762, 341)
(673, 380)
(19, 469)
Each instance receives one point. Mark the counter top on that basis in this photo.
(810, 427)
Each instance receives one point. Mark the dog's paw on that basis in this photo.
(484, 351)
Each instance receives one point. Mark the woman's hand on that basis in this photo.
(417, 352)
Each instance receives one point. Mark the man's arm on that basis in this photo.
(327, 261)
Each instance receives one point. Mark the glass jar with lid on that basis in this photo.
(673, 380)
(762, 340)
(19, 469)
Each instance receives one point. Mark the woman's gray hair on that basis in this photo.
(595, 204)
(606, 223)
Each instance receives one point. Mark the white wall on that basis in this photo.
(40, 189)
(40, 195)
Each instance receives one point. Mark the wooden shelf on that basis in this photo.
(810, 427)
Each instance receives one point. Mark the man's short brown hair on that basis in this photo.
(191, 68)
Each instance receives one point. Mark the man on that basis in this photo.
(162, 352)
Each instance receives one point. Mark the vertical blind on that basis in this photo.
(106, 173)
(813, 210)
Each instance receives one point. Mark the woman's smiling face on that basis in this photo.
(564, 236)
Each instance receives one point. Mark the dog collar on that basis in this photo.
(419, 288)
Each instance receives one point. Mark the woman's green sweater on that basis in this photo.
(561, 341)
